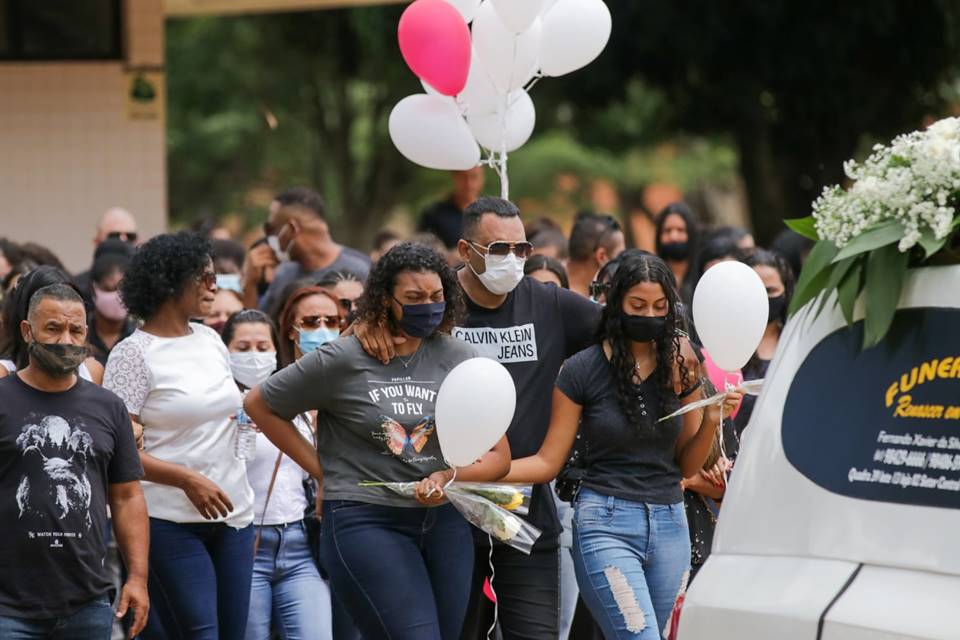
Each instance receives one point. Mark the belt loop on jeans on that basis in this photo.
(611, 503)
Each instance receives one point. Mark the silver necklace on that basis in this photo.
(413, 356)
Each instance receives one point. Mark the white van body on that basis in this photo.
(796, 558)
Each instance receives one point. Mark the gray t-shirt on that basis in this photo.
(349, 261)
(375, 422)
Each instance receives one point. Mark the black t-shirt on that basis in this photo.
(536, 328)
(444, 220)
(756, 369)
(622, 459)
(58, 452)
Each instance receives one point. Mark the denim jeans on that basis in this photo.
(399, 572)
(288, 592)
(94, 621)
(199, 581)
(632, 559)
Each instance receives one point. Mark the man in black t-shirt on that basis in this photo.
(444, 219)
(530, 328)
(66, 451)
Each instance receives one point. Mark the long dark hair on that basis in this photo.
(757, 257)
(643, 267)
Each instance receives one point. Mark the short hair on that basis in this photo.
(303, 198)
(482, 206)
(550, 237)
(60, 292)
(590, 232)
(540, 262)
(228, 250)
(429, 239)
(384, 237)
(161, 270)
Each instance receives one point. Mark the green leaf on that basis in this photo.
(886, 270)
(804, 226)
(814, 275)
(837, 273)
(930, 243)
(849, 291)
(879, 236)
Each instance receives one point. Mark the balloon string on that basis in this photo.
(496, 605)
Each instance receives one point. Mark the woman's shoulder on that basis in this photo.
(587, 357)
(453, 348)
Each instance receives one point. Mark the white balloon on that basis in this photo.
(492, 130)
(518, 15)
(510, 60)
(430, 131)
(574, 34)
(730, 310)
(467, 8)
(480, 96)
(475, 406)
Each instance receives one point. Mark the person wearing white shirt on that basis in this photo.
(174, 377)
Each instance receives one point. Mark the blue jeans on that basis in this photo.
(287, 589)
(199, 581)
(94, 621)
(631, 559)
(401, 573)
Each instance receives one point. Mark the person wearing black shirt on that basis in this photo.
(66, 451)
(530, 328)
(444, 219)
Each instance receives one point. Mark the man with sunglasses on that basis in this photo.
(530, 328)
(594, 241)
(116, 223)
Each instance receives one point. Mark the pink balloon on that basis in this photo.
(720, 378)
(435, 43)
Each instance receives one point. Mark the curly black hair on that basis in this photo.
(634, 269)
(161, 269)
(374, 304)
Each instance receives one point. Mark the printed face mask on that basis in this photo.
(57, 360)
(109, 304)
(274, 243)
(250, 368)
(421, 320)
(229, 281)
(313, 340)
(642, 328)
(503, 273)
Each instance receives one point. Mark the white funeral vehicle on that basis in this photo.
(842, 517)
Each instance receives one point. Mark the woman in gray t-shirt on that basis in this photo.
(397, 565)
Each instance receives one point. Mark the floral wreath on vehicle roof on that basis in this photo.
(900, 212)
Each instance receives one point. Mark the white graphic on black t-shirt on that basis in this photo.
(504, 344)
(55, 482)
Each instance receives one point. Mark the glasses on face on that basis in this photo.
(208, 279)
(598, 289)
(126, 236)
(522, 250)
(311, 323)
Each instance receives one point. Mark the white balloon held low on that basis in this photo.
(475, 406)
(429, 130)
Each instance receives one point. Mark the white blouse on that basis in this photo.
(288, 500)
(184, 393)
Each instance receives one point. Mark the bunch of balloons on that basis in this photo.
(477, 80)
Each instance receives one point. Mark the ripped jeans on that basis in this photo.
(631, 559)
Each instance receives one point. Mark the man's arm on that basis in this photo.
(132, 529)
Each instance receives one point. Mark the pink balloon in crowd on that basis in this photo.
(720, 378)
(435, 43)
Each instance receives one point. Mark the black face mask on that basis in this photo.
(675, 251)
(643, 328)
(778, 307)
(57, 360)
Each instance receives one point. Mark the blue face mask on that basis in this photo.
(313, 340)
(421, 320)
(230, 281)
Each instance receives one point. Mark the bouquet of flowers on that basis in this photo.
(901, 211)
(492, 508)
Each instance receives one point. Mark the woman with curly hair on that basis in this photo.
(174, 376)
(400, 569)
(631, 546)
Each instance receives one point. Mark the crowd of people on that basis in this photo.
(229, 403)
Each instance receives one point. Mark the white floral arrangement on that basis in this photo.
(901, 211)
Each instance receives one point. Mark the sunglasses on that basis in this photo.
(126, 236)
(598, 289)
(311, 323)
(522, 250)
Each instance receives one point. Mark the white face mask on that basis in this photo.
(274, 243)
(250, 368)
(503, 273)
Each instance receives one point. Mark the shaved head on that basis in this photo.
(115, 220)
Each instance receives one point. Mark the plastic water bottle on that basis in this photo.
(245, 445)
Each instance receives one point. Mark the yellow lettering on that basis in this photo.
(928, 371)
(903, 407)
(943, 371)
(955, 372)
(892, 393)
(907, 383)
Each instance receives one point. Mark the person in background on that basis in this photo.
(309, 320)
(678, 244)
(259, 267)
(226, 302)
(116, 223)
(715, 249)
(68, 455)
(174, 377)
(10, 255)
(546, 270)
(401, 569)
(40, 255)
(347, 289)
(14, 351)
(383, 241)
(297, 227)
(228, 262)
(594, 241)
(109, 322)
(444, 219)
(429, 239)
(779, 282)
(793, 247)
(627, 498)
(287, 594)
(551, 243)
